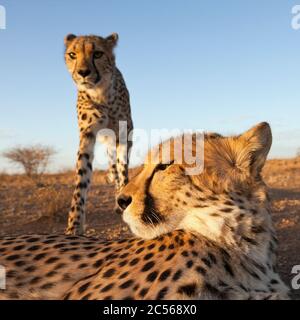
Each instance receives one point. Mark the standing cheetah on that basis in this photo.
(207, 236)
(103, 103)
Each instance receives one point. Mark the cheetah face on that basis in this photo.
(90, 60)
(163, 198)
(149, 210)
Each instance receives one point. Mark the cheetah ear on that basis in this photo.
(112, 40)
(69, 38)
(254, 146)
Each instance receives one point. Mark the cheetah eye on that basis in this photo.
(98, 54)
(163, 166)
(72, 55)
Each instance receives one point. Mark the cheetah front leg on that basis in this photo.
(118, 168)
(118, 158)
(123, 153)
(89, 127)
(85, 156)
(112, 174)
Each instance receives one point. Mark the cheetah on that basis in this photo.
(204, 236)
(103, 108)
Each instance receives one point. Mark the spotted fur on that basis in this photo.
(208, 236)
(103, 101)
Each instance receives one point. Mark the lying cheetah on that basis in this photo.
(207, 236)
(103, 101)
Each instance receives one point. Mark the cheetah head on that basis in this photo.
(163, 197)
(90, 60)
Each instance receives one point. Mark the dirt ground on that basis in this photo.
(27, 208)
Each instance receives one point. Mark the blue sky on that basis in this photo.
(214, 65)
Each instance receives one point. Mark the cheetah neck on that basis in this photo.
(100, 95)
(246, 231)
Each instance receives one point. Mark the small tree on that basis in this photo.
(298, 153)
(33, 159)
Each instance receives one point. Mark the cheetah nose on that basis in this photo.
(124, 201)
(84, 72)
